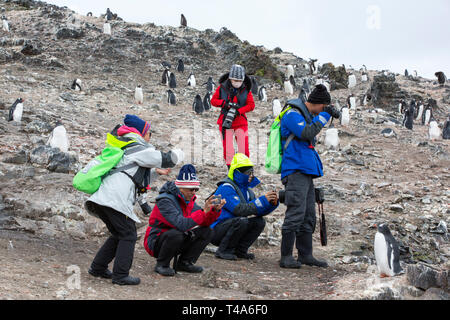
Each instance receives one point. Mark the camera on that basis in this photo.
(146, 208)
(229, 117)
(332, 111)
(217, 199)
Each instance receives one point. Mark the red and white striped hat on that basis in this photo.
(187, 177)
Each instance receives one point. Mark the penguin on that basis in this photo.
(183, 21)
(288, 87)
(303, 96)
(165, 77)
(387, 252)
(402, 107)
(89, 14)
(415, 76)
(276, 107)
(434, 132)
(207, 101)
(180, 66)
(313, 66)
(76, 85)
(5, 26)
(351, 81)
(406, 73)
(351, 101)
(108, 14)
(292, 81)
(138, 95)
(441, 77)
(191, 80)
(388, 132)
(290, 71)
(446, 130)
(332, 138)
(58, 138)
(210, 84)
(172, 81)
(166, 65)
(364, 77)
(409, 117)
(262, 94)
(306, 87)
(345, 116)
(419, 112)
(325, 83)
(197, 106)
(171, 98)
(254, 85)
(16, 110)
(427, 115)
(107, 28)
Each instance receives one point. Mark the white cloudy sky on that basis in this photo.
(382, 34)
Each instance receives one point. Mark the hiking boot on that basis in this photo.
(245, 255)
(188, 267)
(164, 270)
(225, 255)
(304, 246)
(289, 262)
(128, 280)
(311, 261)
(103, 274)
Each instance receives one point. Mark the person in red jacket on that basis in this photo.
(234, 92)
(178, 227)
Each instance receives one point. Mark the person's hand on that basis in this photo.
(218, 207)
(163, 172)
(177, 156)
(209, 204)
(332, 111)
(272, 197)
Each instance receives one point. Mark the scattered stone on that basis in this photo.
(424, 277)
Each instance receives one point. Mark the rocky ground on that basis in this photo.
(47, 239)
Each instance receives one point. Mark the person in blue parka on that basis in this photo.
(242, 218)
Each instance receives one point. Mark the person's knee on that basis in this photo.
(259, 223)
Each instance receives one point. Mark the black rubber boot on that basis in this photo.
(166, 271)
(127, 281)
(287, 245)
(304, 247)
(188, 266)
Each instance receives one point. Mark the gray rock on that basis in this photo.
(38, 126)
(20, 158)
(396, 208)
(62, 162)
(424, 277)
(42, 154)
(435, 294)
(67, 33)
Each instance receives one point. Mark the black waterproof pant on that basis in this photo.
(120, 245)
(236, 235)
(188, 245)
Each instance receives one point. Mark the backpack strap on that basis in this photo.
(238, 191)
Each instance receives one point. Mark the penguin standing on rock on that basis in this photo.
(58, 138)
(408, 120)
(5, 24)
(288, 87)
(165, 77)
(434, 132)
(191, 81)
(171, 98)
(446, 130)
(303, 96)
(290, 71)
(351, 81)
(276, 107)
(207, 101)
(332, 138)
(262, 94)
(351, 101)
(180, 66)
(76, 85)
(197, 106)
(16, 110)
(427, 115)
(210, 84)
(138, 95)
(441, 77)
(254, 85)
(183, 21)
(107, 28)
(387, 252)
(172, 81)
(345, 116)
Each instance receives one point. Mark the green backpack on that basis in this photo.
(89, 178)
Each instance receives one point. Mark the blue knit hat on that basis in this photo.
(187, 177)
(137, 123)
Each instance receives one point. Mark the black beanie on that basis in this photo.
(319, 95)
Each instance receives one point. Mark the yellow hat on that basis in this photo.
(239, 160)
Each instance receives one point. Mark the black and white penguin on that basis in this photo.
(419, 112)
(165, 77)
(197, 106)
(345, 116)
(254, 85)
(262, 94)
(207, 101)
(138, 95)
(446, 129)
(290, 71)
(276, 107)
(351, 80)
(434, 132)
(166, 65)
(292, 80)
(172, 81)
(387, 252)
(427, 115)
(108, 14)
(171, 98)
(5, 24)
(388, 132)
(107, 28)
(364, 77)
(332, 138)
(402, 107)
(183, 21)
(16, 111)
(406, 73)
(288, 87)
(408, 120)
(76, 85)
(351, 101)
(180, 66)
(302, 95)
(313, 66)
(210, 84)
(58, 138)
(191, 81)
(441, 77)
(89, 14)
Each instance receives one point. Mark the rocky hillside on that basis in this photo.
(402, 179)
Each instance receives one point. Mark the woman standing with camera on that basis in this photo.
(235, 98)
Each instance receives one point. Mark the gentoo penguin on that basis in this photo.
(76, 85)
(434, 132)
(276, 107)
(364, 77)
(183, 21)
(288, 87)
(427, 115)
(406, 73)
(345, 116)
(408, 120)
(197, 106)
(108, 14)
(180, 66)
(446, 130)
(388, 132)
(138, 95)
(313, 66)
(290, 71)
(165, 77)
(419, 112)
(402, 107)
(306, 87)
(171, 99)
(415, 76)
(351, 81)
(351, 101)
(441, 77)
(5, 24)
(254, 85)
(107, 28)
(166, 65)
(58, 138)
(172, 81)
(191, 80)
(332, 138)
(89, 14)
(292, 80)
(303, 96)
(387, 252)
(16, 110)
(210, 84)
(262, 94)
(207, 101)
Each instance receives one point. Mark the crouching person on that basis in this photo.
(178, 227)
(242, 218)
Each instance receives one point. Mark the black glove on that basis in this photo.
(225, 105)
(332, 111)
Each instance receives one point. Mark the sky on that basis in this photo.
(382, 34)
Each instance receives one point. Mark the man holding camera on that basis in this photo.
(235, 97)
(242, 218)
(178, 226)
(300, 165)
